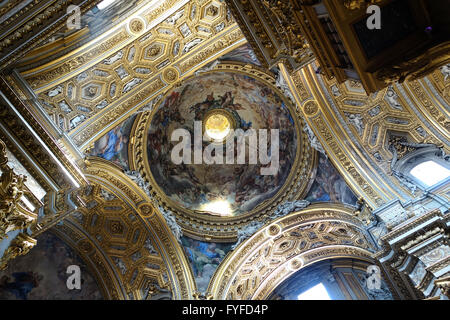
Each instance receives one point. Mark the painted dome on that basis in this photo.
(219, 105)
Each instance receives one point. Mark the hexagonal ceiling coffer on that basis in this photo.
(154, 51)
(91, 91)
(117, 228)
(211, 11)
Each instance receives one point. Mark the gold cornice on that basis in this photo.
(22, 159)
(15, 122)
(42, 21)
(333, 144)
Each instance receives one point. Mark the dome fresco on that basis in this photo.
(227, 99)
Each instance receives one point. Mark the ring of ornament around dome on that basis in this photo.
(205, 226)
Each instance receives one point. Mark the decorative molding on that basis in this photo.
(255, 268)
(13, 214)
(130, 195)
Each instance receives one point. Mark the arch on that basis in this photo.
(103, 174)
(288, 244)
(427, 152)
(342, 278)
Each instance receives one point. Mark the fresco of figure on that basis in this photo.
(42, 274)
(113, 146)
(22, 285)
(329, 185)
(204, 257)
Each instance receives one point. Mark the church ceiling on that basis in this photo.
(144, 226)
(417, 110)
(356, 129)
(93, 87)
(123, 239)
(124, 230)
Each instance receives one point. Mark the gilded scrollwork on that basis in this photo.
(20, 246)
(13, 215)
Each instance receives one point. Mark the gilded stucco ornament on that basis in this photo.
(364, 212)
(283, 209)
(13, 215)
(136, 177)
(137, 25)
(20, 246)
(153, 265)
(310, 108)
(128, 68)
